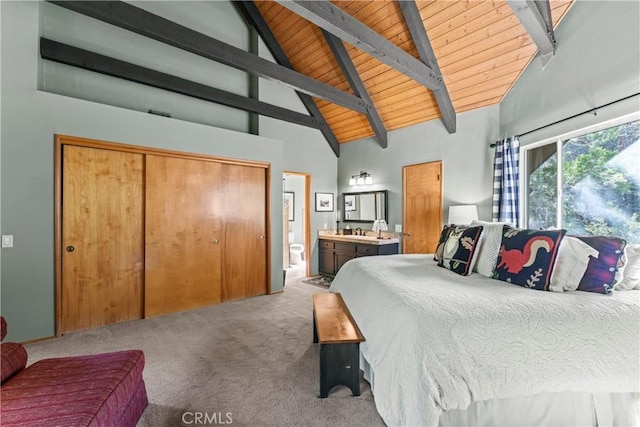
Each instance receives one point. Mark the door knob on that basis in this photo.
(216, 241)
(261, 237)
(70, 248)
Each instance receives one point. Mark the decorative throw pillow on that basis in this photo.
(601, 272)
(488, 247)
(571, 264)
(527, 257)
(14, 359)
(3, 327)
(444, 234)
(628, 277)
(459, 249)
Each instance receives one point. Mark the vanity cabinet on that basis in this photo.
(334, 254)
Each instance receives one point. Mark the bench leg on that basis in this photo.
(339, 365)
(315, 328)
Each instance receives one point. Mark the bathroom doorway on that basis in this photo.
(296, 188)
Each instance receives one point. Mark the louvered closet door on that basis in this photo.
(183, 234)
(245, 243)
(422, 207)
(102, 237)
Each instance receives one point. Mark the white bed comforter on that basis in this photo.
(437, 341)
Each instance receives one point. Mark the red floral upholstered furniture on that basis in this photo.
(98, 390)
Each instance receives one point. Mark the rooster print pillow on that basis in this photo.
(527, 257)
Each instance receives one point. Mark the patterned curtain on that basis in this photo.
(506, 174)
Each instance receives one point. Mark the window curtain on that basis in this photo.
(506, 175)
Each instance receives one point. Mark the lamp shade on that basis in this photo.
(380, 225)
(462, 214)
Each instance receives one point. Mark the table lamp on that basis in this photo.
(462, 214)
(380, 225)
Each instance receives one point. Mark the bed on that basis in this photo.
(445, 349)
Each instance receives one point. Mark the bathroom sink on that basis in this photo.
(372, 240)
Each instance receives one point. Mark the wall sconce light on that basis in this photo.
(364, 178)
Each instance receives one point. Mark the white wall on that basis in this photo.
(597, 61)
(30, 118)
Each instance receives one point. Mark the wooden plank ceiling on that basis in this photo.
(481, 49)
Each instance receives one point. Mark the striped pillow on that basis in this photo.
(601, 271)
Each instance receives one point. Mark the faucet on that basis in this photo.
(358, 231)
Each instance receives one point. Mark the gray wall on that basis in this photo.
(217, 19)
(465, 155)
(597, 61)
(30, 118)
(305, 150)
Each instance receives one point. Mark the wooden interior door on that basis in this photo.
(183, 234)
(244, 271)
(422, 207)
(102, 237)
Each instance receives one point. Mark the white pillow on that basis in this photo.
(571, 264)
(628, 277)
(488, 247)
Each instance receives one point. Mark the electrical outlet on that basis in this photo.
(7, 241)
(398, 228)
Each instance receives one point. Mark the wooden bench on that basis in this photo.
(339, 338)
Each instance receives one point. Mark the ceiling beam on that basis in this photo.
(141, 22)
(535, 17)
(425, 51)
(350, 72)
(339, 23)
(70, 55)
(253, 16)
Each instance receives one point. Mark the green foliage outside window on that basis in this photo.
(600, 185)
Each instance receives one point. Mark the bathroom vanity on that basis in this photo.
(335, 250)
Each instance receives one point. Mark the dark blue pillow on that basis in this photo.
(444, 235)
(601, 272)
(459, 249)
(527, 257)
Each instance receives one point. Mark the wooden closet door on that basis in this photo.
(183, 234)
(102, 237)
(245, 243)
(422, 207)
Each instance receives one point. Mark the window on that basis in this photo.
(587, 182)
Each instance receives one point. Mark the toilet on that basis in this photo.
(296, 251)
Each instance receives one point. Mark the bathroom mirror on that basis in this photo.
(364, 206)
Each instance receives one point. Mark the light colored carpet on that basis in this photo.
(254, 359)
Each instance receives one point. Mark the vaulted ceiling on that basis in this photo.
(361, 68)
(481, 48)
